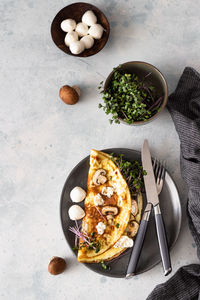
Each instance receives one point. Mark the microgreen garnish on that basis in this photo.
(129, 98)
(132, 171)
(117, 225)
(84, 239)
(104, 266)
(93, 234)
(75, 248)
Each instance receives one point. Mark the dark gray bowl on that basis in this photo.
(141, 69)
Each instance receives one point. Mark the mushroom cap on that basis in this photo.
(99, 177)
(57, 265)
(77, 194)
(96, 31)
(68, 25)
(68, 95)
(89, 18)
(132, 228)
(110, 210)
(76, 212)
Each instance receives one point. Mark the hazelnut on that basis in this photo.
(69, 95)
(57, 265)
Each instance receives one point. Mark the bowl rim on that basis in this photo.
(166, 93)
(92, 6)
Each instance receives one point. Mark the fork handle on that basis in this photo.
(162, 240)
(138, 243)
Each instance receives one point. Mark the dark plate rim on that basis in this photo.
(88, 265)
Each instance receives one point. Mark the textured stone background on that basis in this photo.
(42, 139)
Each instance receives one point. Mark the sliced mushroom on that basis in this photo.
(99, 177)
(134, 208)
(110, 210)
(132, 228)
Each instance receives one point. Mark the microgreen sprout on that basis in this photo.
(84, 239)
(130, 98)
(104, 266)
(132, 171)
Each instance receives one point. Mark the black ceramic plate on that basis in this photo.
(150, 256)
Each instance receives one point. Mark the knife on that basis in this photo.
(152, 199)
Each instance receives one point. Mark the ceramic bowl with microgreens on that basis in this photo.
(134, 93)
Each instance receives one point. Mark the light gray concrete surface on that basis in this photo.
(42, 139)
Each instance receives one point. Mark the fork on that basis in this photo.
(159, 172)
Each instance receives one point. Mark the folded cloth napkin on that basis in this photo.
(184, 106)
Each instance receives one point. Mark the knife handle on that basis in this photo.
(138, 243)
(162, 240)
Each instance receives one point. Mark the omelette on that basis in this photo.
(111, 215)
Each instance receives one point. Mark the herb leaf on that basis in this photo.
(129, 98)
(132, 171)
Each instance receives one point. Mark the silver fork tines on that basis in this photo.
(159, 172)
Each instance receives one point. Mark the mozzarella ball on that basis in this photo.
(88, 41)
(82, 29)
(77, 194)
(89, 18)
(71, 37)
(96, 31)
(76, 47)
(76, 212)
(68, 25)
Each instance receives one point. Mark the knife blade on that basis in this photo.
(149, 178)
(152, 197)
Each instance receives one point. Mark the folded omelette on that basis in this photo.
(111, 216)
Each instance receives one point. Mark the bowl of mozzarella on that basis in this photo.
(80, 29)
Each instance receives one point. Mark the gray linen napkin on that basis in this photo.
(184, 106)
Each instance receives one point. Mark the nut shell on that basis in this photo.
(68, 95)
(57, 265)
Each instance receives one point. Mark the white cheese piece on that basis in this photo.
(96, 31)
(88, 41)
(76, 212)
(77, 194)
(100, 228)
(107, 191)
(89, 18)
(68, 25)
(98, 200)
(82, 29)
(71, 37)
(76, 47)
(124, 242)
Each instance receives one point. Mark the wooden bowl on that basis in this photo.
(141, 68)
(75, 11)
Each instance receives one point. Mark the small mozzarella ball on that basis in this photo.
(88, 41)
(68, 25)
(76, 47)
(82, 29)
(77, 194)
(96, 31)
(76, 212)
(71, 37)
(89, 18)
